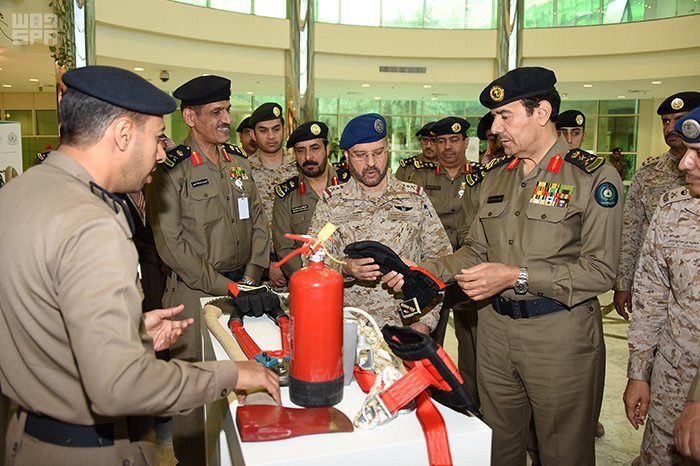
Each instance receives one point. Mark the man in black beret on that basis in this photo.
(246, 136)
(208, 224)
(296, 197)
(407, 166)
(494, 148)
(572, 125)
(271, 166)
(543, 246)
(76, 353)
(656, 176)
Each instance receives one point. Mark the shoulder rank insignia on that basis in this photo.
(674, 195)
(497, 162)
(343, 174)
(412, 188)
(234, 150)
(41, 156)
(649, 161)
(408, 161)
(177, 155)
(474, 178)
(341, 164)
(421, 164)
(585, 161)
(286, 187)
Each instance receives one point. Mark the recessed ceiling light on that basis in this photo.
(138, 68)
(7, 85)
(34, 80)
(621, 97)
(377, 98)
(656, 82)
(427, 86)
(588, 85)
(0, 69)
(250, 92)
(364, 84)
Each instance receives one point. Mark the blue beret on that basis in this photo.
(450, 125)
(365, 128)
(689, 127)
(203, 90)
(518, 84)
(571, 119)
(307, 131)
(266, 112)
(484, 125)
(121, 88)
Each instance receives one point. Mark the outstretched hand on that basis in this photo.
(164, 331)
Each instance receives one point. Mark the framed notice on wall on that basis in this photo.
(10, 146)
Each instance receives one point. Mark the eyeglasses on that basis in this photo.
(362, 156)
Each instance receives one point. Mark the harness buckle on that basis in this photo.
(373, 413)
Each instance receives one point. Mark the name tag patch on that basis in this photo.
(552, 194)
(495, 199)
(432, 187)
(197, 183)
(300, 208)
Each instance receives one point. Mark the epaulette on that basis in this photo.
(408, 161)
(420, 164)
(343, 174)
(41, 156)
(234, 150)
(474, 178)
(339, 165)
(177, 155)
(585, 161)
(331, 190)
(286, 187)
(649, 161)
(677, 194)
(496, 162)
(412, 188)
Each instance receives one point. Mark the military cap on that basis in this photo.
(307, 131)
(244, 124)
(518, 84)
(424, 131)
(571, 119)
(484, 125)
(266, 112)
(617, 149)
(679, 103)
(121, 88)
(450, 125)
(365, 128)
(689, 127)
(203, 90)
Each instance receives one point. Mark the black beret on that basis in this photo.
(307, 131)
(266, 112)
(518, 84)
(424, 130)
(121, 88)
(571, 119)
(679, 103)
(203, 90)
(244, 124)
(450, 125)
(484, 125)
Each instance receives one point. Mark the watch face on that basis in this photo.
(520, 287)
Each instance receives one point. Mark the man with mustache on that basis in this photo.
(208, 224)
(656, 176)
(246, 136)
(407, 167)
(270, 166)
(296, 198)
(374, 205)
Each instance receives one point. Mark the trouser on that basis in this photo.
(544, 367)
(4, 419)
(670, 383)
(23, 449)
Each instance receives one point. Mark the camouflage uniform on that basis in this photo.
(664, 336)
(409, 165)
(655, 176)
(402, 218)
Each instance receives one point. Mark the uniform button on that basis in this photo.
(510, 241)
(224, 392)
(539, 293)
(15, 446)
(126, 463)
(206, 194)
(233, 221)
(228, 198)
(490, 213)
(523, 184)
(543, 216)
(517, 212)
(222, 176)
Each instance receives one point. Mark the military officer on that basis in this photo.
(494, 148)
(542, 249)
(271, 166)
(297, 197)
(208, 224)
(76, 353)
(664, 335)
(374, 205)
(407, 166)
(572, 125)
(654, 177)
(246, 136)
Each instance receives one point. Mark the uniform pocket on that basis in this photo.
(206, 207)
(543, 232)
(492, 217)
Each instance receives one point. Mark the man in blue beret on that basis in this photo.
(76, 353)
(407, 166)
(654, 177)
(663, 390)
(208, 224)
(374, 205)
(543, 246)
(247, 137)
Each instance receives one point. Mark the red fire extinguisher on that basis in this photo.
(316, 327)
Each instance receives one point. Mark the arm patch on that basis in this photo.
(343, 174)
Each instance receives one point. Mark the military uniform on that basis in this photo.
(656, 176)
(267, 178)
(561, 221)
(409, 165)
(294, 207)
(664, 336)
(72, 343)
(401, 218)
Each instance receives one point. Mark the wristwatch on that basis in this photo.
(520, 286)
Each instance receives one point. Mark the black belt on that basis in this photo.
(57, 432)
(234, 276)
(526, 309)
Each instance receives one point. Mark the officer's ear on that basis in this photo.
(542, 112)
(123, 132)
(189, 116)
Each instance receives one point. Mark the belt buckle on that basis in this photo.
(373, 413)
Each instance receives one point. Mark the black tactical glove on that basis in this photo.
(256, 301)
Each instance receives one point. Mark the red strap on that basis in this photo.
(249, 347)
(365, 379)
(439, 282)
(283, 323)
(406, 389)
(436, 438)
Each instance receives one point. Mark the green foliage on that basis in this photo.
(63, 52)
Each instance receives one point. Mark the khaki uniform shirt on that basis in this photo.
(208, 219)
(72, 339)
(407, 167)
(549, 221)
(666, 295)
(655, 177)
(295, 203)
(402, 218)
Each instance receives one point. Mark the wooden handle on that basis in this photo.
(211, 317)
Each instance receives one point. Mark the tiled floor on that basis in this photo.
(619, 445)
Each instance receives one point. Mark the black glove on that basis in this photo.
(417, 282)
(256, 301)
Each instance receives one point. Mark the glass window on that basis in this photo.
(179, 128)
(588, 107)
(327, 11)
(242, 102)
(360, 12)
(618, 107)
(327, 105)
(24, 118)
(409, 14)
(445, 14)
(538, 13)
(261, 99)
(241, 6)
(617, 132)
(47, 122)
(32, 145)
(442, 108)
(480, 14)
(273, 8)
